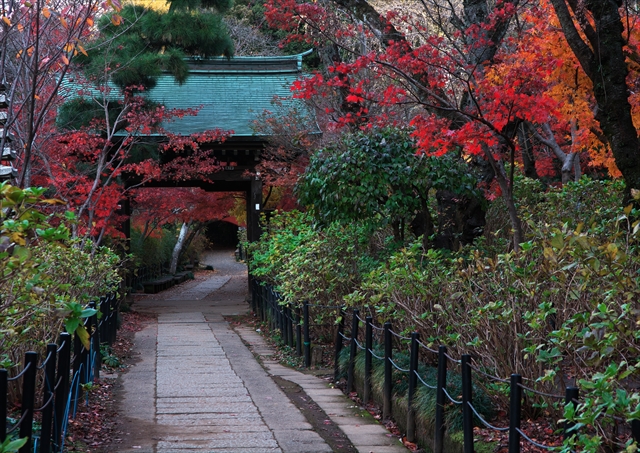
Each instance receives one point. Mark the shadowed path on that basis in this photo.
(199, 388)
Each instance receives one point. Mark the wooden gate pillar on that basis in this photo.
(254, 207)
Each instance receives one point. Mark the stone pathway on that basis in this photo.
(198, 388)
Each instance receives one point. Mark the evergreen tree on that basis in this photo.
(137, 43)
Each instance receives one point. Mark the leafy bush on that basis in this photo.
(563, 311)
(46, 278)
(305, 262)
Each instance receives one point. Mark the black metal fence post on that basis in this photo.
(267, 303)
(467, 400)
(28, 398)
(273, 313)
(284, 328)
(438, 446)
(413, 382)
(86, 356)
(353, 350)
(62, 390)
(388, 372)
(4, 387)
(635, 430)
(290, 326)
(338, 345)
(254, 298)
(76, 390)
(515, 403)
(368, 346)
(571, 396)
(307, 339)
(298, 332)
(113, 318)
(275, 308)
(96, 360)
(103, 319)
(269, 307)
(115, 314)
(47, 398)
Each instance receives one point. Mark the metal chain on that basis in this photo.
(397, 367)
(490, 376)
(427, 347)
(19, 375)
(432, 387)
(450, 397)
(484, 422)
(533, 442)
(399, 336)
(537, 392)
(44, 363)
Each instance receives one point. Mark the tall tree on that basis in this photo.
(138, 43)
(106, 127)
(38, 41)
(595, 32)
(446, 68)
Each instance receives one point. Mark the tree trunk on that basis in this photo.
(192, 235)
(602, 59)
(460, 220)
(184, 229)
(422, 225)
(528, 159)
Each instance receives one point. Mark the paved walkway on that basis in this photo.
(198, 387)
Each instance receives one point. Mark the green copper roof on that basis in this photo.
(230, 93)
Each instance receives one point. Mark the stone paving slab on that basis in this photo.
(203, 289)
(226, 439)
(213, 419)
(217, 450)
(216, 443)
(195, 408)
(205, 392)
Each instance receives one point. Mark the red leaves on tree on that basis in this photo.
(154, 207)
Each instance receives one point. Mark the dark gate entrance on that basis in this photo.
(230, 94)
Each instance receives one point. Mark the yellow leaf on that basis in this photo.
(64, 22)
(51, 201)
(83, 335)
(635, 193)
(90, 22)
(46, 13)
(18, 238)
(6, 21)
(81, 49)
(65, 60)
(116, 20)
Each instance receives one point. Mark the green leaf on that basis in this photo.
(12, 446)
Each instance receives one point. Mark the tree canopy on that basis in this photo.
(137, 43)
